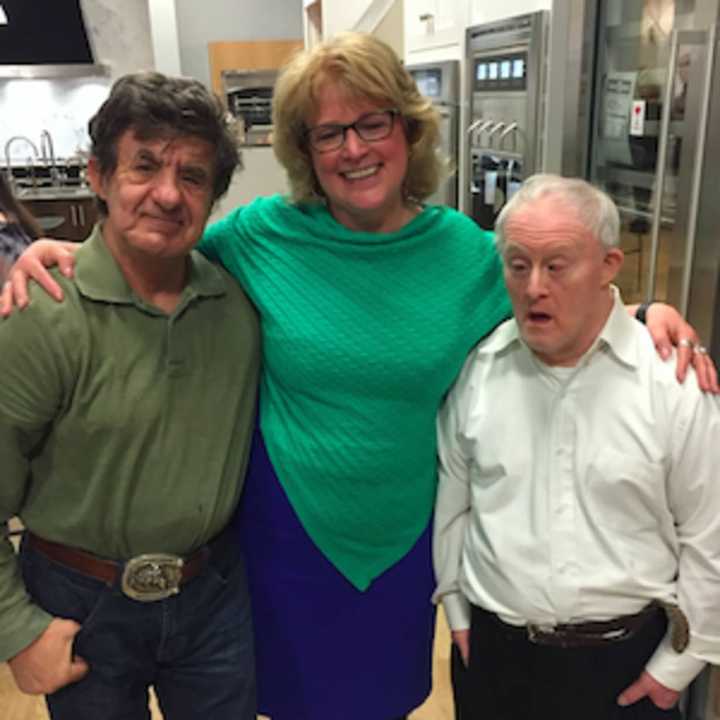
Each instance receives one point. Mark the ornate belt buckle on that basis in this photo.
(154, 576)
(536, 632)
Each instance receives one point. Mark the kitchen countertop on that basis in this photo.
(59, 192)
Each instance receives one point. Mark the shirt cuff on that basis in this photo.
(672, 669)
(23, 631)
(457, 611)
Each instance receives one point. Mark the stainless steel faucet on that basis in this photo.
(511, 128)
(9, 144)
(47, 151)
(493, 130)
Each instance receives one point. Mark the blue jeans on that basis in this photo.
(195, 648)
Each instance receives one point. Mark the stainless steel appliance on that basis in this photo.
(440, 82)
(506, 71)
(648, 91)
(652, 91)
(249, 98)
(46, 39)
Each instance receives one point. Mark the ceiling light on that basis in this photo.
(3, 16)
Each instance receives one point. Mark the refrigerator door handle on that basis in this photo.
(661, 168)
(697, 173)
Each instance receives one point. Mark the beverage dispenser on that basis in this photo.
(506, 63)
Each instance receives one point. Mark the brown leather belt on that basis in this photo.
(587, 634)
(149, 577)
(593, 633)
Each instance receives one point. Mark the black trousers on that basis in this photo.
(510, 678)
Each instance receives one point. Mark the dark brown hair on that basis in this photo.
(15, 210)
(155, 105)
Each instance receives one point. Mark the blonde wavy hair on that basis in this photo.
(366, 69)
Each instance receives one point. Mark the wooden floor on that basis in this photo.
(16, 706)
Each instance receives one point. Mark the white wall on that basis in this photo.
(164, 31)
(120, 34)
(61, 106)
(261, 174)
(390, 28)
(482, 11)
(202, 21)
(344, 15)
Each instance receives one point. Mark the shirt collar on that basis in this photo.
(618, 332)
(617, 335)
(98, 276)
(504, 336)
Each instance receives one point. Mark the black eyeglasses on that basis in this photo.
(371, 127)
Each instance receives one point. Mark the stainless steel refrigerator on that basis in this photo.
(644, 93)
(649, 115)
(439, 81)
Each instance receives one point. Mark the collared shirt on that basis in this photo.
(575, 494)
(123, 429)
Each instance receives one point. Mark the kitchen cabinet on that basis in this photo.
(435, 23)
(482, 11)
(65, 218)
(312, 22)
(383, 18)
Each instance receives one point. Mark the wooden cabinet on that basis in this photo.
(65, 218)
(383, 18)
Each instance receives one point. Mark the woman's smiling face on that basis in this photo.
(362, 181)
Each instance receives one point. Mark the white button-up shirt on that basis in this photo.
(576, 494)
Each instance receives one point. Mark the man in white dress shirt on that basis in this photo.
(579, 502)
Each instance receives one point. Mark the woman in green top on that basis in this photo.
(369, 303)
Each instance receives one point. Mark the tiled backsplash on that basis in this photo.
(62, 106)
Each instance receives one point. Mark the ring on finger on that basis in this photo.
(700, 350)
(686, 342)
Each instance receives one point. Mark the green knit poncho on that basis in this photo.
(363, 334)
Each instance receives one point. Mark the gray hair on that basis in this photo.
(596, 210)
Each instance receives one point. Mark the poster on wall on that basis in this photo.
(617, 105)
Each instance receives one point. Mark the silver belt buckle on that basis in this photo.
(535, 631)
(154, 576)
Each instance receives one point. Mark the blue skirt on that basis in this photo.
(325, 650)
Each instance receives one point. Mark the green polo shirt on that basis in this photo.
(123, 430)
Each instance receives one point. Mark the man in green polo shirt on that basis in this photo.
(125, 419)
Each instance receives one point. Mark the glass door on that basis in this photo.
(651, 106)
